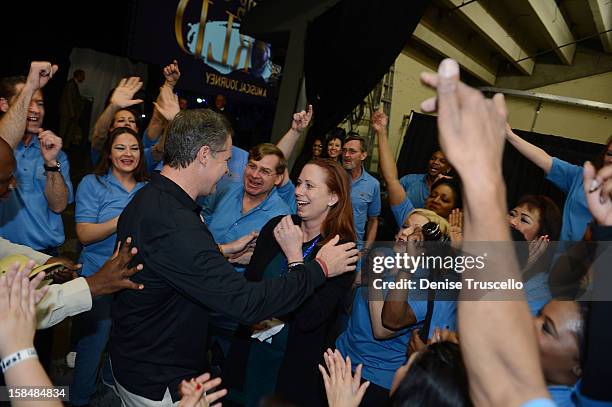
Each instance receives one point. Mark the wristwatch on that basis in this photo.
(54, 168)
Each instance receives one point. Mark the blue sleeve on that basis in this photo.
(146, 142)
(65, 170)
(239, 160)
(287, 193)
(150, 163)
(402, 210)
(374, 207)
(87, 200)
(563, 174)
(95, 157)
(539, 403)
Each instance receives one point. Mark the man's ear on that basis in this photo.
(204, 154)
(4, 106)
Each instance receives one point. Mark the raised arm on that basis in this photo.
(287, 143)
(386, 162)
(121, 98)
(13, 123)
(471, 132)
(533, 153)
(158, 121)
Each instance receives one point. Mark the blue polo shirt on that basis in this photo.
(287, 193)
(365, 197)
(100, 199)
(235, 174)
(402, 210)
(416, 188)
(576, 215)
(226, 221)
(381, 358)
(25, 217)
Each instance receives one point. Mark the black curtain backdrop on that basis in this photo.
(349, 48)
(522, 177)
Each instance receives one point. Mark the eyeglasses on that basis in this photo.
(266, 172)
(609, 153)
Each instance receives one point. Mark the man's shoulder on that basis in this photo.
(371, 179)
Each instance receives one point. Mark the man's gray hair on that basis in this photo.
(189, 131)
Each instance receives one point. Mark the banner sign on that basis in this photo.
(203, 36)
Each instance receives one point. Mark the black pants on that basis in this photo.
(375, 396)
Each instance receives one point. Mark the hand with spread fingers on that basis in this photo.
(167, 104)
(343, 389)
(301, 120)
(18, 300)
(115, 273)
(194, 392)
(598, 191)
(123, 95)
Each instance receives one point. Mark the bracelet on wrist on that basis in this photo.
(17, 357)
(294, 263)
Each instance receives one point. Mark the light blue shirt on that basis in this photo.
(381, 358)
(235, 173)
(287, 193)
(416, 188)
(25, 217)
(98, 201)
(365, 197)
(576, 215)
(402, 210)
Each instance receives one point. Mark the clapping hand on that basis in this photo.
(342, 388)
(193, 392)
(18, 299)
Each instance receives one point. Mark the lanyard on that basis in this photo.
(284, 265)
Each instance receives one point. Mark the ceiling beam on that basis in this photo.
(439, 44)
(557, 30)
(602, 14)
(483, 22)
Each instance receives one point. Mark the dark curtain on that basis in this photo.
(522, 177)
(349, 48)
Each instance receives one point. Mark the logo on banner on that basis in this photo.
(221, 46)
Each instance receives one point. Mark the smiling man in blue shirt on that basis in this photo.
(365, 189)
(32, 215)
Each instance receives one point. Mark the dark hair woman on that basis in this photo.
(286, 364)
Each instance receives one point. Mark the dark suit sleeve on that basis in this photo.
(323, 303)
(265, 250)
(598, 360)
(199, 272)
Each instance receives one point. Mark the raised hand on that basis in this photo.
(17, 309)
(339, 259)
(342, 388)
(598, 191)
(455, 219)
(379, 121)
(40, 73)
(194, 392)
(124, 92)
(466, 118)
(290, 238)
(301, 120)
(168, 104)
(115, 273)
(50, 146)
(172, 73)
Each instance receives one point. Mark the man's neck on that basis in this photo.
(183, 179)
(356, 172)
(251, 201)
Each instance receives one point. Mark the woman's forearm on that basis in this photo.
(94, 232)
